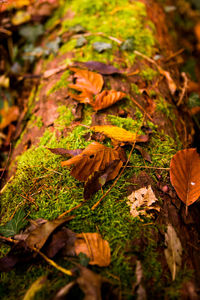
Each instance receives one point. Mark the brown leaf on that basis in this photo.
(144, 153)
(106, 99)
(99, 178)
(116, 133)
(39, 236)
(84, 97)
(86, 80)
(97, 249)
(64, 238)
(9, 115)
(185, 175)
(94, 158)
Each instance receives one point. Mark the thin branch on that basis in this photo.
(71, 209)
(184, 88)
(148, 167)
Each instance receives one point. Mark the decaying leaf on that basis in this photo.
(39, 236)
(97, 249)
(173, 253)
(106, 99)
(86, 80)
(141, 201)
(185, 175)
(13, 227)
(116, 133)
(95, 157)
(35, 287)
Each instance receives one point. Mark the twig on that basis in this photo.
(71, 209)
(174, 54)
(102, 34)
(184, 88)
(166, 74)
(142, 109)
(53, 263)
(148, 167)
(8, 239)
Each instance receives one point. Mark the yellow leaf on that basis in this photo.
(116, 133)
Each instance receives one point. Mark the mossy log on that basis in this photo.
(53, 119)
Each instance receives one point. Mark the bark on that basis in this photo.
(43, 116)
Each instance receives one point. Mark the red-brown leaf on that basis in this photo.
(87, 81)
(185, 175)
(106, 99)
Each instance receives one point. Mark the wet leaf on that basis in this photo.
(39, 236)
(101, 67)
(99, 178)
(185, 175)
(117, 133)
(101, 47)
(95, 157)
(141, 201)
(173, 253)
(9, 115)
(97, 249)
(13, 227)
(35, 287)
(106, 99)
(86, 80)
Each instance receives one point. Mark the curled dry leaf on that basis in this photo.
(86, 80)
(97, 249)
(106, 99)
(141, 201)
(95, 157)
(39, 236)
(173, 252)
(185, 175)
(116, 133)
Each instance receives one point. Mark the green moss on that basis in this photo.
(63, 82)
(126, 123)
(148, 74)
(120, 19)
(135, 89)
(65, 117)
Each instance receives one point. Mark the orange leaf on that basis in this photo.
(185, 175)
(84, 97)
(94, 158)
(86, 80)
(9, 115)
(107, 98)
(170, 81)
(116, 133)
(97, 249)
